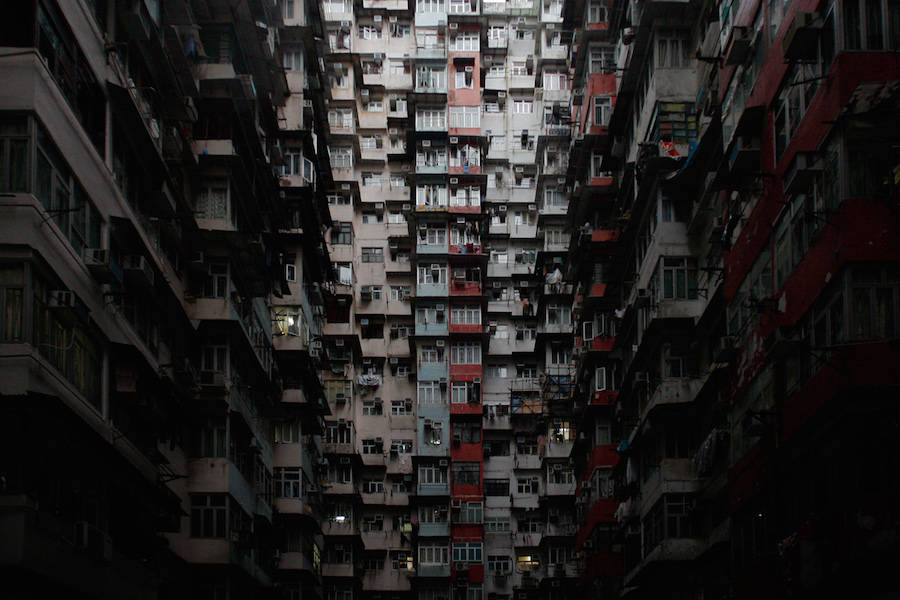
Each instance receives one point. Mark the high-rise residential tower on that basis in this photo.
(449, 326)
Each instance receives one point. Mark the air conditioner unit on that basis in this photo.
(739, 45)
(457, 504)
(442, 463)
(426, 143)
(502, 208)
(561, 180)
(501, 94)
(520, 169)
(339, 343)
(345, 186)
(498, 284)
(470, 69)
(61, 299)
(345, 460)
(363, 322)
(454, 180)
(532, 207)
(476, 380)
(801, 40)
(379, 206)
(406, 207)
(394, 360)
(439, 343)
(376, 18)
(392, 19)
(435, 266)
(454, 140)
(453, 26)
(364, 93)
(345, 23)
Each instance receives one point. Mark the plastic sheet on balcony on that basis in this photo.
(368, 380)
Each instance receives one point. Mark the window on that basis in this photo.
(401, 407)
(602, 60)
(429, 392)
(289, 9)
(602, 110)
(467, 552)
(865, 27)
(523, 107)
(293, 60)
(555, 80)
(341, 233)
(431, 196)
(372, 408)
(435, 273)
(496, 524)
(429, 474)
(464, 42)
(211, 438)
(800, 85)
(341, 157)
(429, 6)
(559, 314)
(288, 482)
(372, 486)
(496, 487)
(431, 119)
(208, 515)
(433, 554)
(434, 514)
(14, 151)
(467, 314)
(216, 283)
(212, 201)
(465, 116)
(470, 512)
(679, 276)
(596, 12)
(372, 446)
(527, 485)
(463, 78)
(369, 32)
(499, 564)
(373, 522)
(873, 304)
(465, 473)
(372, 255)
(672, 48)
(528, 562)
(468, 353)
(561, 432)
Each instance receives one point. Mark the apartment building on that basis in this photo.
(732, 249)
(449, 326)
(162, 223)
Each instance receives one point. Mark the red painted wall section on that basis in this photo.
(856, 367)
(464, 372)
(863, 230)
(601, 511)
(603, 565)
(847, 71)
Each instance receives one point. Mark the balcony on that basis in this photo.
(434, 529)
(433, 371)
(671, 391)
(432, 327)
(528, 540)
(432, 249)
(338, 570)
(434, 489)
(461, 287)
(297, 561)
(433, 570)
(432, 290)
(465, 249)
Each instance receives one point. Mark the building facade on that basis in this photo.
(738, 230)
(449, 326)
(162, 222)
